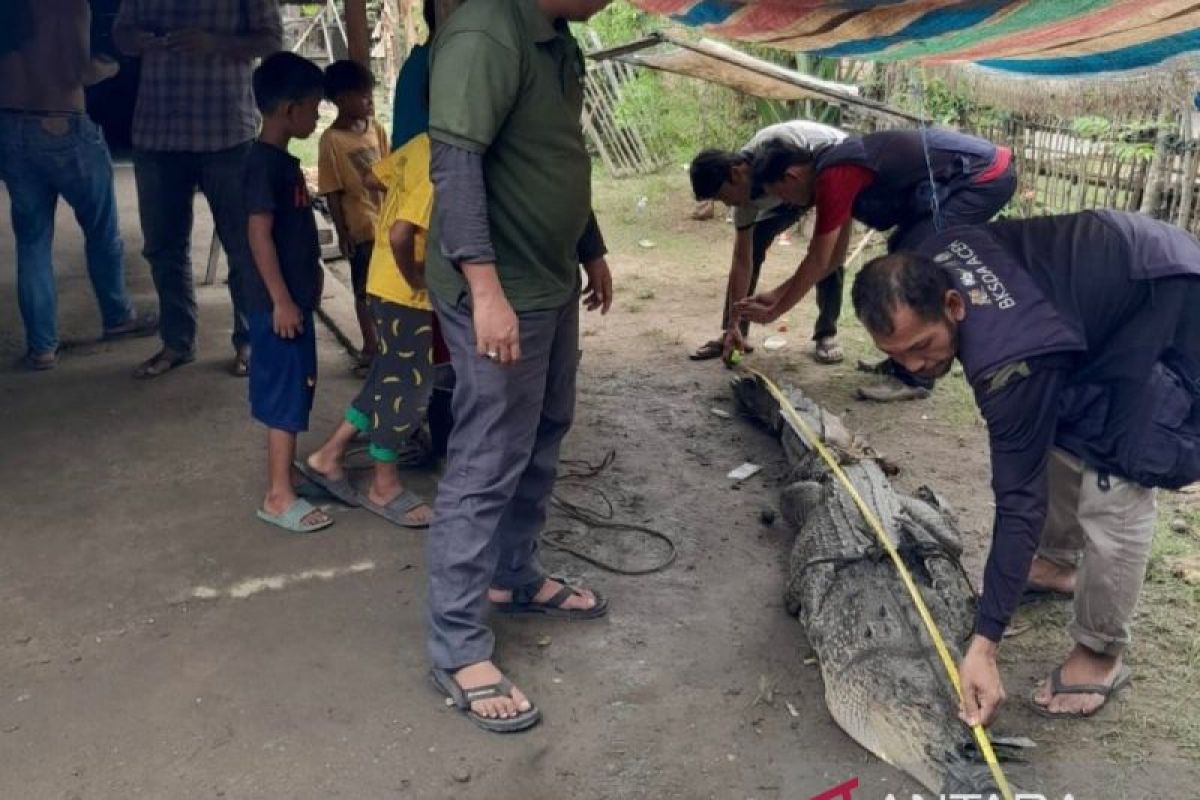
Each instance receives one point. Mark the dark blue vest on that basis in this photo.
(1120, 295)
(902, 186)
(1008, 317)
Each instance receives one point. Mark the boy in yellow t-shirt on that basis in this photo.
(348, 151)
(391, 406)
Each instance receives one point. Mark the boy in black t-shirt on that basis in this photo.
(286, 285)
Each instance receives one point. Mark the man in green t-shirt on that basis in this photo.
(512, 226)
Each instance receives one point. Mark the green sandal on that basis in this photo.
(293, 518)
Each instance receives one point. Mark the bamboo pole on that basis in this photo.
(1097, 179)
(331, 6)
(1156, 171)
(326, 35)
(598, 141)
(1114, 179)
(1188, 187)
(609, 88)
(1081, 176)
(629, 131)
(316, 20)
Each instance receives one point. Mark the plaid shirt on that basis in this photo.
(197, 103)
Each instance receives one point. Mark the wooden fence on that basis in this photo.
(1068, 172)
(1062, 170)
(618, 142)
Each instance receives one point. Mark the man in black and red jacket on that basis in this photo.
(912, 181)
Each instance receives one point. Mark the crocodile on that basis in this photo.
(884, 683)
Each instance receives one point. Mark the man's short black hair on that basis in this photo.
(347, 76)
(772, 160)
(285, 78)
(711, 170)
(899, 278)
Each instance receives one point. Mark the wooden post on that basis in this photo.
(1156, 173)
(358, 34)
(1187, 181)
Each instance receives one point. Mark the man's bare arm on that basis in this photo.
(838, 259)
(817, 264)
(287, 319)
(402, 238)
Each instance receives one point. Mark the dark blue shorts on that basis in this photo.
(283, 374)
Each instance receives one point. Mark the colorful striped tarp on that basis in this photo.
(1033, 38)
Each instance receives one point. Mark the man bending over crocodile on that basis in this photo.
(1080, 338)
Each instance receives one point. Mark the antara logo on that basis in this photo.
(845, 791)
(971, 796)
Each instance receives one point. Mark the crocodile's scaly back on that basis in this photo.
(884, 684)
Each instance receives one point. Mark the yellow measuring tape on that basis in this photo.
(981, 737)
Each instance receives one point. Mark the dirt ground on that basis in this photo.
(157, 641)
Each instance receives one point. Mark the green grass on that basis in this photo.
(1170, 546)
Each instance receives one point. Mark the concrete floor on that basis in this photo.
(157, 641)
(303, 676)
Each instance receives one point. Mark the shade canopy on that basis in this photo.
(1032, 38)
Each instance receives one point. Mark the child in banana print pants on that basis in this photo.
(390, 408)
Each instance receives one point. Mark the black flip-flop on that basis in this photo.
(1058, 687)
(713, 349)
(522, 603)
(161, 363)
(462, 699)
(707, 351)
(1040, 594)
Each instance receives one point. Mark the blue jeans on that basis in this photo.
(166, 184)
(43, 157)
